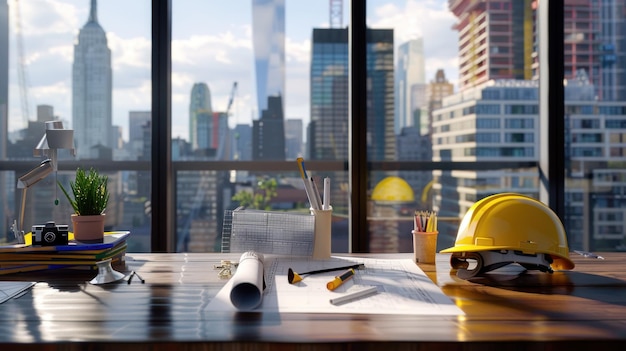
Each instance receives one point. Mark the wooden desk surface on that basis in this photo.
(585, 307)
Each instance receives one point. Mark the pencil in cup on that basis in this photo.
(425, 237)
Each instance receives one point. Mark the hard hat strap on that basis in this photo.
(472, 264)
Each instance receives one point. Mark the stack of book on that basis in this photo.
(26, 257)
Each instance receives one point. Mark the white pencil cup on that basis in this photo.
(322, 233)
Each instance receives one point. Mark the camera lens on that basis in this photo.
(49, 237)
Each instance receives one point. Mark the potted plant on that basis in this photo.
(89, 199)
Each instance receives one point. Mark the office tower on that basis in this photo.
(221, 136)
(268, 132)
(137, 121)
(409, 72)
(328, 129)
(438, 89)
(268, 36)
(213, 135)
(204, 130)
(328, 132)
(91, 88)
(199, 102)
(495, 40)
(242, 140)
(293, 139)
(419, 107)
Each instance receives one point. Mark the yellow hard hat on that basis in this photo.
(393, 189)
(519, 229)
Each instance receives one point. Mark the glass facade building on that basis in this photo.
(199, 102)
(268, 37)
(328, 131)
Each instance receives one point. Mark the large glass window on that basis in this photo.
(87, 64)
(256, 84)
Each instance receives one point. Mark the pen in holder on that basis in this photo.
(322, 233)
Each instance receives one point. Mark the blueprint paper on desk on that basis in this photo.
(403, 289)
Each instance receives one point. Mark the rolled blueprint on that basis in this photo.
(247, 291)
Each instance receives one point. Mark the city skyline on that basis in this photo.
(497, 123)
(50, 29)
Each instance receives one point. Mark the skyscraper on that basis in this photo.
(328, 132)
(409, 72)
(138, 121)
(268, 35)
(200, 102)
(268, 132)
(495, 40)
(242, 143)
(91, 88)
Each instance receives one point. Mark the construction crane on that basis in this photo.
(231, 98)
(336, 13)
(21, 65)
(223, 127)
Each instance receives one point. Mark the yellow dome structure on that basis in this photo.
(393, 189)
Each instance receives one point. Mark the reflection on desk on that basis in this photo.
(583, 308)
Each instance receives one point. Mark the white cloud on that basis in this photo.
(134, 52)
(429, 19)
(298, 61)
(46, 17)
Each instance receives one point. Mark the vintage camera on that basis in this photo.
(50, 234)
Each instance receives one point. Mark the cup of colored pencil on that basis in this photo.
(425, 236)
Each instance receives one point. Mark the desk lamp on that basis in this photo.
(54, 138)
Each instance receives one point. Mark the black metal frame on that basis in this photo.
(162, 198)
(552, 105)
(357, 165)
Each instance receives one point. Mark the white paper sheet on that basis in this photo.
(403, 288)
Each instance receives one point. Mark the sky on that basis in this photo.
(211, 43)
